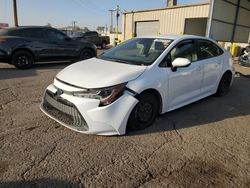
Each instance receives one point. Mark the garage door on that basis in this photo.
(147, 28)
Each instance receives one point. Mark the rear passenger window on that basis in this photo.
(207, 49)
(15, 32)
(55, 35)
(33, 33)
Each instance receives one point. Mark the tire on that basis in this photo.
(22, 59)
(244, 61)
(144, 113)
(224, 85)
(104, 45)
(86, 54)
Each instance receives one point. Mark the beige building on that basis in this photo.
(219, 19)
(170, 20)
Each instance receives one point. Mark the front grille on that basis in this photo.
(64, 111)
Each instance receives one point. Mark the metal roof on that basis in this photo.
(174, 37)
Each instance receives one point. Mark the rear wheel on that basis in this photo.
(104, 45)
(22, 59)
(144, 113)
(224, 84)
(86, 54)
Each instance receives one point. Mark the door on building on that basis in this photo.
(147, 28)
(195, 26)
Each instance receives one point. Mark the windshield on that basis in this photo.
(137, 51)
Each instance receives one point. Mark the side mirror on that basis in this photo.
(181, 62)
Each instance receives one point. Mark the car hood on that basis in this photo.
(98, 73)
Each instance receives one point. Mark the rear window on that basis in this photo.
(207, 49)
(3, 32)
(9, 32)
(91, 33)
(78, 34)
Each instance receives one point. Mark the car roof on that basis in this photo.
(28, 27)
(174, 37)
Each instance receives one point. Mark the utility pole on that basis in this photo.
(111, 20)
(106, 29)
(117, 23)
(15, 13)
(74, 25)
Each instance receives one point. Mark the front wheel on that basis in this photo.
(22, 59)
(144, 113)
(224, 84)
(86, 54)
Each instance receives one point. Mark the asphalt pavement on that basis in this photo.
(205, 144)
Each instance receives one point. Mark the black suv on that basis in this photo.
(22, 46)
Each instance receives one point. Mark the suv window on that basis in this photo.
(78, 34)
(32, 33)
(207, 49)
(91, 34)
(10, 32)
(55, 35)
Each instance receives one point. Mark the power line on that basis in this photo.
(74, 25)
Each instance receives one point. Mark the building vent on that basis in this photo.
(171, 3)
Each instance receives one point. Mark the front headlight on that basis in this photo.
(105, 95)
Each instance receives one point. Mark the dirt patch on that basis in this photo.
(4, 165)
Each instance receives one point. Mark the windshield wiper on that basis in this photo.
(123, 61)
(113, 59)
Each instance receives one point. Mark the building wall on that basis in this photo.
(225, 26)
(172, 19)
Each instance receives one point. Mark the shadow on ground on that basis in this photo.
(41, 183)
(209, 110)
(10, 72)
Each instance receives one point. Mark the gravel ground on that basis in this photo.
(205, 144)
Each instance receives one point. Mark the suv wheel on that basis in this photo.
(104, 45)
(86, 54)
(22, 59)
(144, 113)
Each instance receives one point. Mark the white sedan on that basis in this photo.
(129, 85)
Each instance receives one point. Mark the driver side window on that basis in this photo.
(184, 49)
